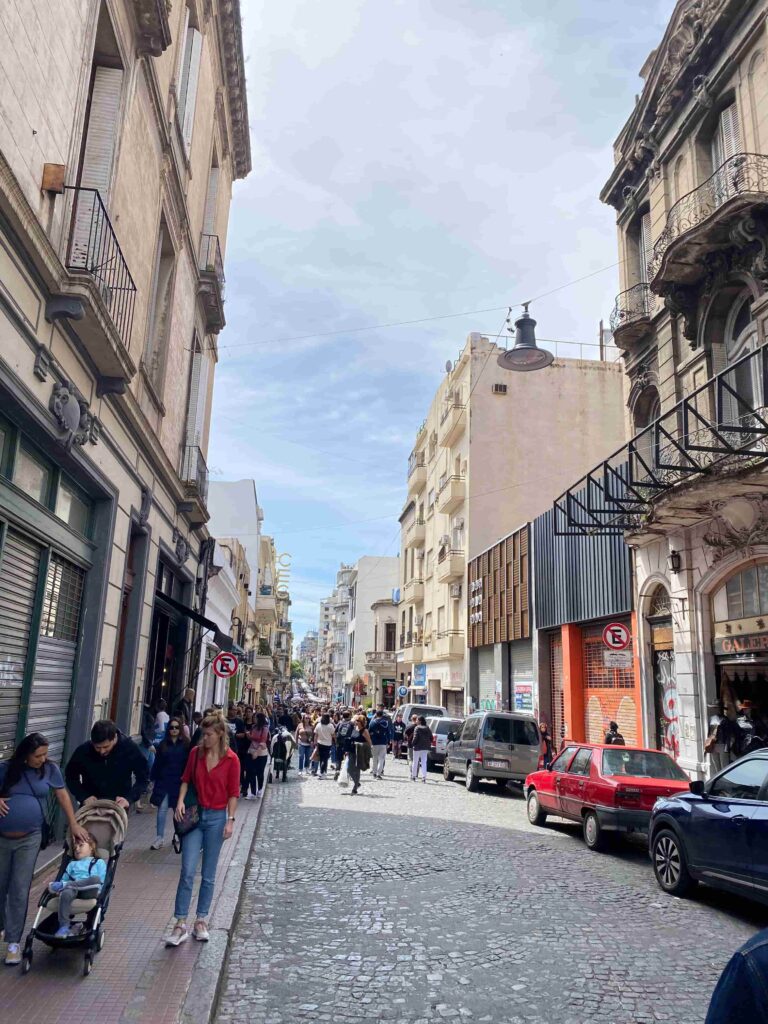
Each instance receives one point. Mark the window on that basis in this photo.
(162, 290)
(580, 763)
(497, 730)
(441, 619)
(32, 476)
(211, 199)
(73, 507)
(747, 593)
(5, 440)
(471, 729)
(645, 764)
(742, 782)
(62, 600)
(189, 73)
(726, 140)
(390, 629)
(525, 733)
(561, 761)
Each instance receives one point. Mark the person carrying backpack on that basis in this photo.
(343, 729)
(380, 729)
(613, 737)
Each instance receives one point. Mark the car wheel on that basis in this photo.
(449, 776)
(594, 836)
(536, 815)
(470, 781)
(669, 863)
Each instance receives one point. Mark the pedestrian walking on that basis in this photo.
(304, 739)
(398, 736)
(343, 729)
(109, 767)
(380, 729)
(357, 746)
(185, 708)
(546, 744)
(170, 760)
(258, 756)
(324, 737)
(421, 744)
(26, 780)
(213, 769)
(243, 746)
(161, 722)
(408, 736)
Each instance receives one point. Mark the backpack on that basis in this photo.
(379, 730)
(342, 731)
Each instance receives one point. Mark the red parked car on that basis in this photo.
(606, 788)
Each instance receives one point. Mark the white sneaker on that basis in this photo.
(177, 936)
(158, 844)
(260, 794)
(200, 931)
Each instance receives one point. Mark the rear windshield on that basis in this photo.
(511, 730)
(442, 726)
(645, 764)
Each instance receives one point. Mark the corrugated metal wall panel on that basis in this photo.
(19, 562)
(578, 578)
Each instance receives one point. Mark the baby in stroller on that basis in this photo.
(82, 879)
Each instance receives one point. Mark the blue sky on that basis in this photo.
(411, 159)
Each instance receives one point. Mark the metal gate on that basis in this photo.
(19, 564)
(486, 679)
(557, 725)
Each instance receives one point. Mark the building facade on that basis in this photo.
(371, 579)
(113, 223)
(381, 660)
(690, 185)
(489, 456)
(324, 650)
(307, 655)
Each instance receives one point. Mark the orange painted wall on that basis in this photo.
(573, 683)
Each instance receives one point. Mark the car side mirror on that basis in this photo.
(697, 787)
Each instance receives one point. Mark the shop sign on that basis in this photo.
(741, 644)
(617, 659)
(419, 677)
(523, 696)
(736, 627)
(616, 636)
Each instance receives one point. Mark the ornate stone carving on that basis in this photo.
(42, 363)
(72, 416)
(181, 546)
(683, 302)
(750, 236)
(693, 23)
(146, 505)
(725, 538)
(701, 92)
(234, 71)
(154, 30)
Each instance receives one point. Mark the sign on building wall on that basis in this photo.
(524, 697)
(419, 677)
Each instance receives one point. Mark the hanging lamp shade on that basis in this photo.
(525, 355)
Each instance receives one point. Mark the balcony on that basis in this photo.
(694, 454)
(194, 476)
(211, 289)
(413, 591)
(380, 661)
(450, 644)
(699, 223)
(453, 419)
(450, 565)
(260, 663)
(631, 316)
(415, 533)
(266, 607)
(453, 491)
(417, 472)
(411, 645)
(99, 275)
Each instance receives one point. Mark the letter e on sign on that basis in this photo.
(225, 664)
(616, 636)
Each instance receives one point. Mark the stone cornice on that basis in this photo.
(233, 67)
(153, 30)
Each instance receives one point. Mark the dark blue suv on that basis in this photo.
(717, 833)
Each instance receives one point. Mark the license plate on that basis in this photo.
(496, 764)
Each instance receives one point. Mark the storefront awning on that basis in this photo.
(222, 641)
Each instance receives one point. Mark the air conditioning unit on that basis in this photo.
(418, 619)
(455, 590)
(499, 389)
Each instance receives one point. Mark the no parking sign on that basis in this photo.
(225, 664)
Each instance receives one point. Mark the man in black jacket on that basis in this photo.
(109, 767)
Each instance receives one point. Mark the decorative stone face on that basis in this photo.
(76, 423)
(146, 505)
(181, 546)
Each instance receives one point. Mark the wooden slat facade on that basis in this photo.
(502, 600)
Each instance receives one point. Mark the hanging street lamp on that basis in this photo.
(525, 355)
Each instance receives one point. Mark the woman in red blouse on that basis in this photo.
(214, 772)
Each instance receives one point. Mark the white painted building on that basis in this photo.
(221, 601)
(371, 579)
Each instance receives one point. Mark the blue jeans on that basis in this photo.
(207, 838)
(305, 752)
(162, 815)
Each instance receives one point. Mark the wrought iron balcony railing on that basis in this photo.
(723, 423)
(744, 174)
(210, 258)
(453, 401)
(194, 471)
(94, 249)
(415, 461)
(633, 305)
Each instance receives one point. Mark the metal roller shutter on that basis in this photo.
(19, 563)
(486, 678)
(557, 696)
(56, 652)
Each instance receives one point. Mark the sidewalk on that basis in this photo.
(135, 978)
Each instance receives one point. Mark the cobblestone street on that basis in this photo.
(416, 902)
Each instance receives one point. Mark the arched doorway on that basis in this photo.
(666, 734)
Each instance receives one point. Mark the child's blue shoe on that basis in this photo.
(63, 932)
(55, 887)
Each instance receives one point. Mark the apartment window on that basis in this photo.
(160, 309)
(428, 565)
(197, 404)
(390, 642)
(351, 658)
(188, 77)
(726, 138)
(32, 475)
(73, 507)
(441, 619)
(102, 114)
(211, 198)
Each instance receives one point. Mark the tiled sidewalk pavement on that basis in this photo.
(135, 978)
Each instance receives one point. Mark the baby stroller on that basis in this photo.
(282, 749)
(108, 823)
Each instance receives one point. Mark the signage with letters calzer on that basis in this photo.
(751, 644)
